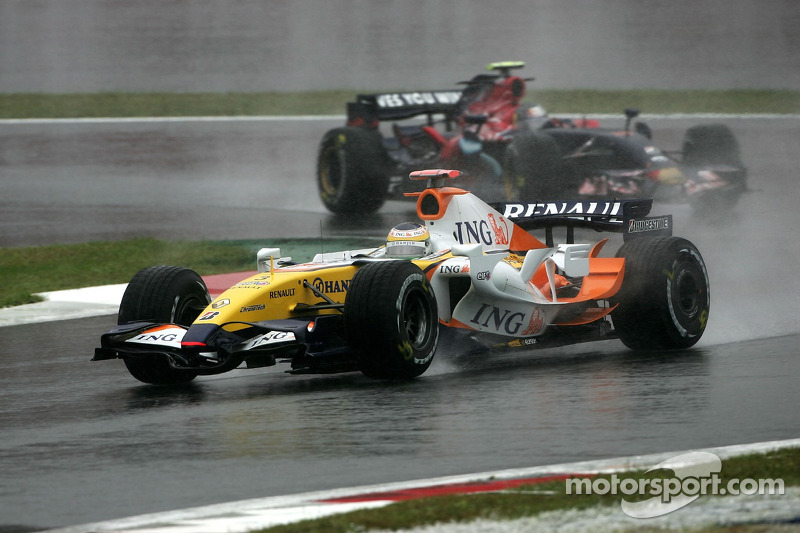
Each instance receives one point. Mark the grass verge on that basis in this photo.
(527, 501)
(25, 271)
(333, 102)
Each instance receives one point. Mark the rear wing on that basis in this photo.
(402, 105)
(628, 217)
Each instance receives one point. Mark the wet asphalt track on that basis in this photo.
(84, 442)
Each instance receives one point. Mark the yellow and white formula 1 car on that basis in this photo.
(469, 268)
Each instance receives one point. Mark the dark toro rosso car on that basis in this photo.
(469, 271)
(578, 158)
(510, 150)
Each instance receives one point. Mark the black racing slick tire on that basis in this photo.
(665, 297)
(392, 320)
(162, 294)
(533, 169)
(352, 171)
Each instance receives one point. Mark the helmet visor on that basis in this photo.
(406, 249)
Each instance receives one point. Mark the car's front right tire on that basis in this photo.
(392, 320)
(168, 295)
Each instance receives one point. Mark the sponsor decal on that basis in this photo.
(649, 224)
(272, 337)
(331, 286)
(529, 341)
(255, 307)
(281, 293)
(535, 323)
(490, 231)
(514, 260)
(219, 304)
(409, 233)
(502, 320)
(391, 100)
(483, 276)
(450, 269)
(500, 233)
(526, 210)
(162, 336)
(208, 315)
(251, 284)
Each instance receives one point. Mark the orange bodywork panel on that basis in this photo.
(603, 281)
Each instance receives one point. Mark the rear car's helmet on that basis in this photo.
(408, 240)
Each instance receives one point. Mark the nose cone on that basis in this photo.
(199, 337)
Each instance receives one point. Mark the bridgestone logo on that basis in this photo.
(648, 224)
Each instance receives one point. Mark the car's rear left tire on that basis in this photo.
(352, 174)
(162, 294)
(392, 320)
(665, 299)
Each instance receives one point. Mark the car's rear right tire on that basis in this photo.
(664, 300)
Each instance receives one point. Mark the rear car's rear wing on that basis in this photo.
(628, 217)
(401, 105)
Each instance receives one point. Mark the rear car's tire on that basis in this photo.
(709, 145)
(162, 294)
(352, 171)
(392, 320)
(665, 298)
(533, 169)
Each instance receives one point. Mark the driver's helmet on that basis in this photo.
(408, 240)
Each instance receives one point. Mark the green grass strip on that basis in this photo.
(94, 105)
(25, 271)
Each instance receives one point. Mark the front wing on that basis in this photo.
(313, 345)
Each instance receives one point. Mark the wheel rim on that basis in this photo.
(416, 316)
(186, 310)
(331, 171)
(688, 293)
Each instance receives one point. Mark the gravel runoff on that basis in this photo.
(705, 512)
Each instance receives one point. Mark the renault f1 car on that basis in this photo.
(470, 270)
(512, 150)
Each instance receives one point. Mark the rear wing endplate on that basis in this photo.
(628, 217)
